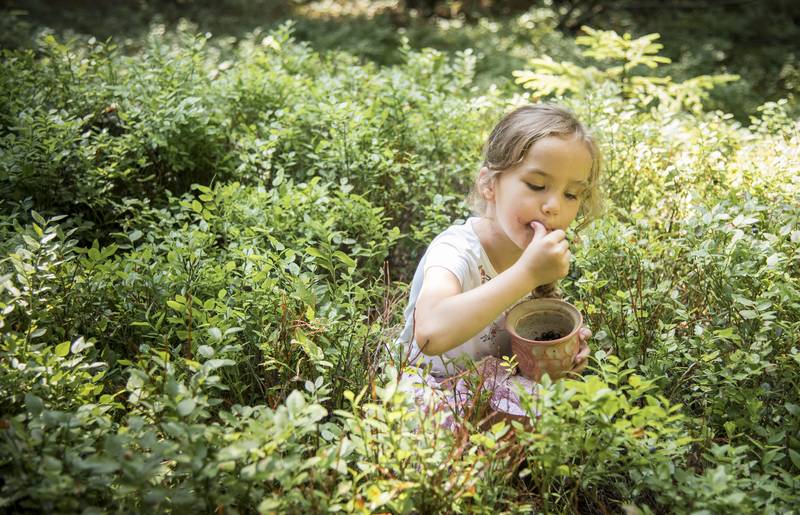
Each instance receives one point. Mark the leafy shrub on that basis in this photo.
(610, 435)
(244, 206)
(109, 127)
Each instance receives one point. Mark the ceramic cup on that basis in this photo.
(544, 336)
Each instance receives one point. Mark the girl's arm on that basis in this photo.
(445, 317)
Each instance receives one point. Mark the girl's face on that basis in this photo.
(546, 187)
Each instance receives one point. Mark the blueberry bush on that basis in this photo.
(205, 246)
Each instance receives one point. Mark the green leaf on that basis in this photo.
(109, 251)
(728, 332)
(79, 345)
(344, 258)
(101, 465)
(186, 406)
(214, 364)
(795, 457)
(175, 305)
(311, 251)
(62, 349)
(269, 505)
(748, 314)
(38, 218)
(136, 380)
(215, 333)
(34, 404)
(33, 244)
(773, 260)
(295, 402)
(135, 235)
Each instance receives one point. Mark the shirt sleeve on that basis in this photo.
(448, 253)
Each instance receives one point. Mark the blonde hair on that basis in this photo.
(517, 131)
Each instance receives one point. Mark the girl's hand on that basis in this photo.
(546, 258)
(582, 358)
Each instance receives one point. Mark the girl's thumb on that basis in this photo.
(539, 230)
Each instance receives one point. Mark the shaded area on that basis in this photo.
(756, 40)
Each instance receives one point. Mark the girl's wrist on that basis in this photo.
(525, 277)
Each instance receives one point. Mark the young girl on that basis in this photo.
(540, 173)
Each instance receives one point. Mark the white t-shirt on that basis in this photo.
(459, 250)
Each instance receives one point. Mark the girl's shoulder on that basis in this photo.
(459, 233)
(460, 238)
(459, 249)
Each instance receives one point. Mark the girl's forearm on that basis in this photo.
(453, 320)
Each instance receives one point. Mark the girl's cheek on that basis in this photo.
(572, 215)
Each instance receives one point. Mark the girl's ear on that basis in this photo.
(486, 183)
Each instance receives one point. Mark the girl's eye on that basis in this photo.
(536, 187)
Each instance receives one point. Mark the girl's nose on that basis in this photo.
(551, 206)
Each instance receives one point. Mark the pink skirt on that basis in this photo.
(459, 397)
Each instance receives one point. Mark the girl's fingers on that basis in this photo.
(582, 358)
(583, 354)
(578, 368)
(583, 351)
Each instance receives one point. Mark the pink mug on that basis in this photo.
(544, 337)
